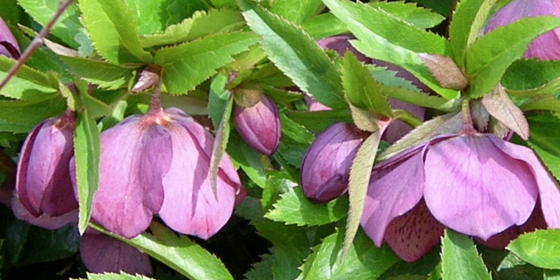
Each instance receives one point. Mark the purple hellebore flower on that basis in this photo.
(159, 163)
(8, 44)
(326, 165)
(547, 45)
(259, 125)
(476, 184)
(43, 182)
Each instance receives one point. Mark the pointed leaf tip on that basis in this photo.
(444, 69)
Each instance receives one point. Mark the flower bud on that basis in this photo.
(8, 44)
(326, 166)
(547, 45)
(259, 125)
(43, 181)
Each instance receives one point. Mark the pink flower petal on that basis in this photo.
(45, 220)
(101, 253)
(395, 187)
(475, 188)
(190, 206)
(134, 157)
(414, 234)
(549, 192)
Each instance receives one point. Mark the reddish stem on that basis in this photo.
(36, 43)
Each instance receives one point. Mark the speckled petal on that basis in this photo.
(190, 206)
(395, 187)
(134, 157)
(101, 253)
(414, 234)
(473, 187)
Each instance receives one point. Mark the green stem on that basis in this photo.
(407, 117)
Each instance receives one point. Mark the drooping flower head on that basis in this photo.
(159, 164)
(546, 46)
(476, 184)
(43, 182)
(8, 44)
(326, 166)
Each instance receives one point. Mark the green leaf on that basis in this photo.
(422, 99)
(324, 25)
(247, 158)
(28, 73)
(155, 15)
(114, 31)
(68, 25)
(294, 208)
(17, 112)
(360, 87)
(199, 25)
(360, 173)
(103, 74)
(440, 6)
(319, 120)
(468, 19)
(296, 54)
(388, 38)
(527, 78)
(178, 252)
(542, 102)
(218, 98)
(187, 65)
(43, 245)
(295, 141)
(19, 88)
(294, 10)
(490, 56)
(114, 276)
(411, 13)
(539, 248)
(86, 154)
(261, 270)
(544, 140)
(512, 267)
(291, 247)
(220, 144)
(363, 260)
(459, 258)
(277, 183)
